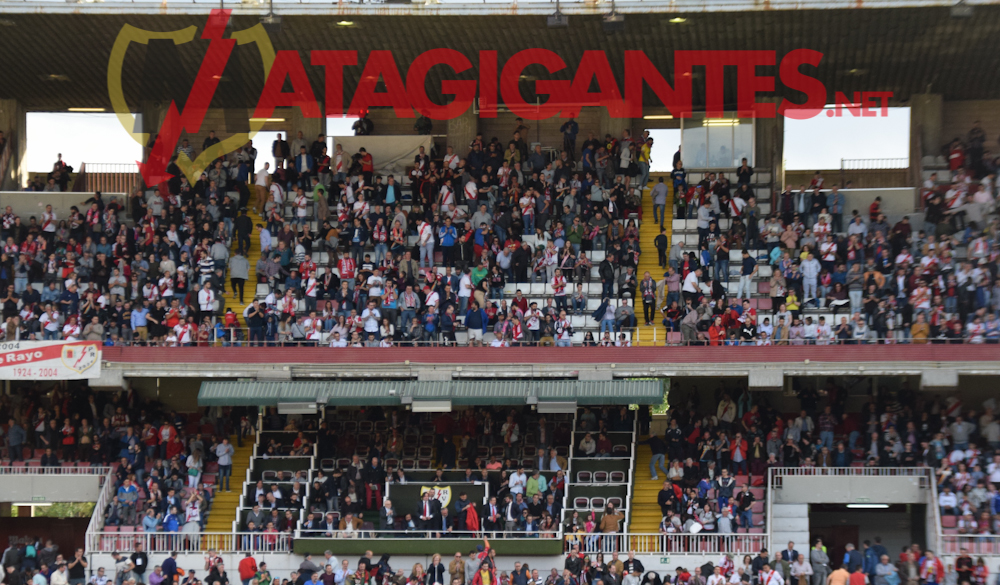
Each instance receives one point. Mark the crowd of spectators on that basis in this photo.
(399, 265)
(882, 283)
(709, 442)
(160, 457)
(414, 264)
(873, 564)
(504, 450)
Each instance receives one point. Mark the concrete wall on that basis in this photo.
(27, 204)
(54, 488)
(957, 119)
(862, 179)
(849, 490)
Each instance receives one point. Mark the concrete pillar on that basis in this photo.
(769, 148)
(926, 112)
(14, 125)
(614, 126)
(462, 131)
(150, 116)
(310, 127)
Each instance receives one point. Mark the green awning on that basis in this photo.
(460, 392)
(248, 393)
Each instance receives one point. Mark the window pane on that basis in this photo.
(694, 137)
(743, 142)
(720, 146)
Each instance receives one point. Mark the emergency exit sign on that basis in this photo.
(664, 560)
(37, 498)
(862, 500)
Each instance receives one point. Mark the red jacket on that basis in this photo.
(248, 568)
(741, 447)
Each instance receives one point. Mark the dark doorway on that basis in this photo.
(896, 525)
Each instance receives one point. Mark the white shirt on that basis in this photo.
(277, 193)
(261, 178)
(70, 333)
(205, 299)
(517, 482)
(425, 234)
(690, 283)
(772, 578)
(465, 286)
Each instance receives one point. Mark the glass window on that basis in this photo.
(743, 144)
(694, 141)
(717, 142)
(720, 145)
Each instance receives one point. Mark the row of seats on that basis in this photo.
(596, 503)
(599, 477)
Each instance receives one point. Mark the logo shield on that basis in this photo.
(175, 122)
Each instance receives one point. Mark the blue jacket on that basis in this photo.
(447, 235)
(835, 202)
(870, 560)
(598, 315)
(308, 162)
(477, 319)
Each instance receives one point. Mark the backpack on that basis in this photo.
(30, 552)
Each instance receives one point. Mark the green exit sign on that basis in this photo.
(37, 498)
(664, 560)
(862, 500)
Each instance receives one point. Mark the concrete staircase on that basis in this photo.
(648, 230)
(224, 503)
(250, 288)
(789, 523)
(645, 513)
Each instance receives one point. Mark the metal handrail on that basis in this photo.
(107, 541)
(97, 516)
(654, 544)
(26, 470)
(864, 164)
(634, 336)
(862, 471)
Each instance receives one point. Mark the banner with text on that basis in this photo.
(50, 360)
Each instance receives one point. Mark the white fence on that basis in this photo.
(126, 539)
(662, 544)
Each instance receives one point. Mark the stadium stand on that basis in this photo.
(316, 247)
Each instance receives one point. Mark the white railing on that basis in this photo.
(777, 472)
(108, 541)
(936, 513)
(111, 177)
(36, 470)
(97, 516)
(633, 447)
(975, 544)
(410, 534)
(657, 544)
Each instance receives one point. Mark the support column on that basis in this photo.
(769, 148)
(462, 131)
(310, 127)
(614, 126)
(14, 125)
(926, 111)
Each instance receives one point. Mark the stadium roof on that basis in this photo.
(246, 393)
(61, 49)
